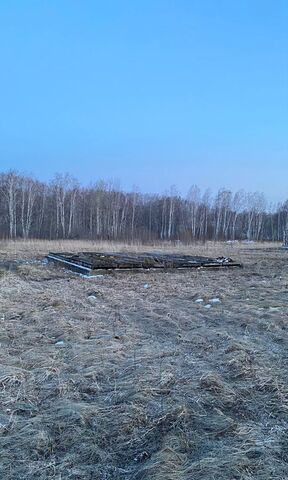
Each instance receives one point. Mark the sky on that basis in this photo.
(150, 93)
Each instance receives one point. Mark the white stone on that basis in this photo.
(215, 300)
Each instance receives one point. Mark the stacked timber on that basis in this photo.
(88, 261)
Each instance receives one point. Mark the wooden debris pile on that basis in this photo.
(86, 262)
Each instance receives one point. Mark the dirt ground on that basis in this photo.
(132, 376)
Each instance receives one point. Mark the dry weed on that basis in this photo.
(143, 383)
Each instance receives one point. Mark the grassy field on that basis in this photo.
(131, 375)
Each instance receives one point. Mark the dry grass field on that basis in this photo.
(128, 376)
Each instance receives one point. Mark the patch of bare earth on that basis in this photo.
(126, 375)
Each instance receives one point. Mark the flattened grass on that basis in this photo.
(144, 383)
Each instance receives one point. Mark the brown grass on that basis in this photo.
(102, 378)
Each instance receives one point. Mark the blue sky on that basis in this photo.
(152, 93)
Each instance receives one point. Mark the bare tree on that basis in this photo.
(237, 207)
(65, 209)
(194, 199)
(9, 189)
(28, 188)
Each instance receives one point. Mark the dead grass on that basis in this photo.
(102, 378)
(27, 249)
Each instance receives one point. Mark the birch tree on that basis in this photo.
(28, 188)
(9, 189)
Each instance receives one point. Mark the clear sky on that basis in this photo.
(150, 92)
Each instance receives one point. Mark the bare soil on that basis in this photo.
(127, 375)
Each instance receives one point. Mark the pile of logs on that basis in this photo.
(86, 262)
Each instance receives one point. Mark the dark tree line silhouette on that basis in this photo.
(63, 208)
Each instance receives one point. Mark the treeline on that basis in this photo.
(65, 209)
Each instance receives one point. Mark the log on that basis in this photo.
(86, 262)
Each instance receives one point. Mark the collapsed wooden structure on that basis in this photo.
(87, 262)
